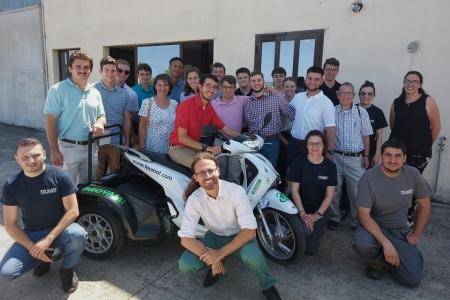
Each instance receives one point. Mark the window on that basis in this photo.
(294, 51)
(63, 59)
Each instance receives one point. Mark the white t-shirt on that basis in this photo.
(224, 216)
(315, 112)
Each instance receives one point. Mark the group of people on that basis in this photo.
(317, 139)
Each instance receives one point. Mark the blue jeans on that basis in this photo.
(18, 261)
(271, 150)
(250, 254)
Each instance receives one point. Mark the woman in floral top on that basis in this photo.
(157, 117)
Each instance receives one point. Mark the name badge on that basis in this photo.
(321, 177)
(48, 191)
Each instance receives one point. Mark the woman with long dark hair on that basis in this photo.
(414, 119)
(313, 180)
(377, 120)
(192, 82)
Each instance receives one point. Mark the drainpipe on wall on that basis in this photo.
(44, 47)
(435, 196)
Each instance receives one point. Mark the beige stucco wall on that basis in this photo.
(370, 44)
(22, 76)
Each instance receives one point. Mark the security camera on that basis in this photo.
(357, 6)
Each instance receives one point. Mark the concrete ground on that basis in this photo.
(150, 272)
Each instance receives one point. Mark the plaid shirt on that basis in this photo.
(257, 108)
(351, 126)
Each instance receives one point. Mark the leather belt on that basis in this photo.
(353, 154)
(83, 143)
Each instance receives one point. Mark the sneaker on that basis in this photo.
(210, 279)
(41, 269)
(69, 280)
(332, 225)
(375, 269)
(272, 293)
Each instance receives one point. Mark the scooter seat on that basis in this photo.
(165, 160)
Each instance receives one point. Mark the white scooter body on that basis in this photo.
(260, 189)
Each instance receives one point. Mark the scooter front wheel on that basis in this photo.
(287, 244)
(105, 234)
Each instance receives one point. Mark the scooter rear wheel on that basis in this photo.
(288, 243)
(105, 234)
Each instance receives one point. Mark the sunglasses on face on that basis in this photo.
(126, 72)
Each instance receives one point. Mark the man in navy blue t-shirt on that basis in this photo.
(46, 198)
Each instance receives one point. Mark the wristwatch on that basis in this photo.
(319, 214)
(204, 147)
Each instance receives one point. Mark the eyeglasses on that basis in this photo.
(345, 93)
(126, 72)
(318, 144)
(366, 94)
(331, 69)
(209, 86)
(205, 173)
(227, 87)
(412, 82)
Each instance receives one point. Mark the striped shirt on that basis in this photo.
(351, 126)
(257, 108)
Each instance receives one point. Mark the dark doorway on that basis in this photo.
(128, 54)
(198, 54)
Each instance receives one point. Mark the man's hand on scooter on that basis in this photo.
(216, 150)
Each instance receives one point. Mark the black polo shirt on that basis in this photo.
(331, 93)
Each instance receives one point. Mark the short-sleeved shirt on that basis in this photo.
(231, 113)
(39, 198)
(177, 89)
(351, 126)
(257, 108)
(226, 215)
(116, 102)
(378, 121)
(311, 112)
(389, 198)
(313, 179)
(133, 97)
(143, 93)
(192, 116)
(331, 93)
(77, 110)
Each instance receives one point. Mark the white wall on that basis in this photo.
(370, 44)
(22, 87)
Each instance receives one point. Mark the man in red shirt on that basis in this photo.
(193, 114)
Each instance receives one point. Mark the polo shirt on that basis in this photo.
(116, 102)
(257, 108)
(311, 112)
(238, 92)
(77, 110)
(331, 93)
(231, 113)
(192, 116)
(143, 93)
(177, 89)
(351, 126)
(226, 215)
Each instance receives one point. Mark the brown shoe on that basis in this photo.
(69, 280)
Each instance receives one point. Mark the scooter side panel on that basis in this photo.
(277, 200)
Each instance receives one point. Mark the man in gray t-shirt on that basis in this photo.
(383, 236)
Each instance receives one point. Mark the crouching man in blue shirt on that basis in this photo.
(226, 211)
(46, 198)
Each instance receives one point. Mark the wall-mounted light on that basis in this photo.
(357, 6)
(414, 46)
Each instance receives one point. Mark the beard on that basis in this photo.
(210, 183)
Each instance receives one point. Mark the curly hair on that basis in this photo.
(193, 184)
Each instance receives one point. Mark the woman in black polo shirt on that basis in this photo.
(313, 178)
